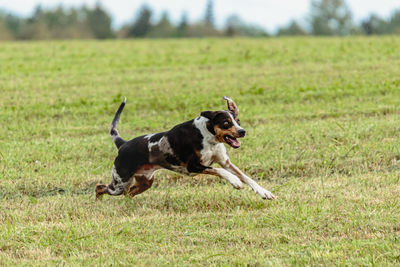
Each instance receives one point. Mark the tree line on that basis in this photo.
(326, 17)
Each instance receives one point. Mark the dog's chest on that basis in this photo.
(212, 153)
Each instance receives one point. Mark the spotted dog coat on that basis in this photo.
(189, 148)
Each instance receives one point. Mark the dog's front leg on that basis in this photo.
(231, 178)
(194, 166)
(264, 193)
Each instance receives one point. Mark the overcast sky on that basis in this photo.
(267, 13)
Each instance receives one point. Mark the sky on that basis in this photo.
(270, 14)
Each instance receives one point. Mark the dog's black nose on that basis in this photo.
(242, 132)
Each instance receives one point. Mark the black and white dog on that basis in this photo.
(189, 148)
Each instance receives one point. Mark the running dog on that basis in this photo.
(189, 148)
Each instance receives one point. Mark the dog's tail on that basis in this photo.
(113, 130)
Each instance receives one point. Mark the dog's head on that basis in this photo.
(225, 124)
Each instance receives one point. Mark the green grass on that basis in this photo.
(322, 116)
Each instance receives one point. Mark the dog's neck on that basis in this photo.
(201, 124)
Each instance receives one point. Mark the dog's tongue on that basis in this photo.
(235, 143)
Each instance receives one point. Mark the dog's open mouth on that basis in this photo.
(232, 141)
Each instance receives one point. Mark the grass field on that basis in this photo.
(322, 117)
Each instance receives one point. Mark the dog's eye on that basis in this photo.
(238, 121)
(226, 125)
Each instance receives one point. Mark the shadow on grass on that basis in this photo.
(88, 189)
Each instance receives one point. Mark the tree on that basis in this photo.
(374, 25)
(99, 23)
(204, 27)
(35, 27)
(330, 17)
(164, 28)
(57, 23)
(293, 28)
(230, 31)
(200, 30)
(35, 30)
(209, 14)
(5, 33)
(393, 26)
(13, 23)
(182, 26)
(10, 26)
(142, 25)
(236, 26)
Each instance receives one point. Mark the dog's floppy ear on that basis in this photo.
(209, 114)
(231, 105)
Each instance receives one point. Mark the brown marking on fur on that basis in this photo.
(101, 189)
(200, 156)
(234, 169)
(147, 167)
(142, 184)
(220, 133)
(184, 165)
(212, 172)
(198, 153)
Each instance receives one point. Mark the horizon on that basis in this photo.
(278, 14)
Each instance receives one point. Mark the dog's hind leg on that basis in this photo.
(118, 185)
(142, 183)
(101, 189)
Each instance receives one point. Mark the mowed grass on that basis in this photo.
(322, 116)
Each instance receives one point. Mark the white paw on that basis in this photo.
(265, 194)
